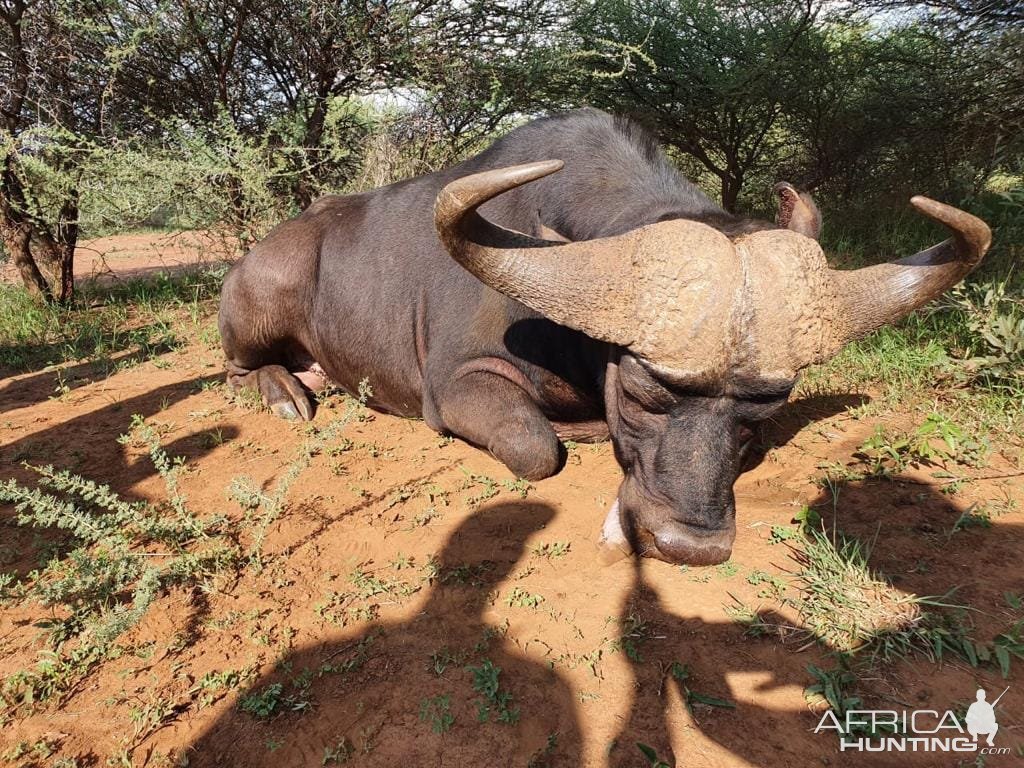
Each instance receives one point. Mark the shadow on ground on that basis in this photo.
(87, 445)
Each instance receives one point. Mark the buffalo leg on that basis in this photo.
(280, 390)
(490, 411)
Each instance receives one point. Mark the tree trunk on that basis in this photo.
(302, 190)
(56, 252)
(59, 257)
(17, 237)
(16, 232)
(67, 236)
(730, 193)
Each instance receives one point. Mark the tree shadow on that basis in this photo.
(385, 692)
(57, 380)
(88, 445)
(793, 417)
(109, 277)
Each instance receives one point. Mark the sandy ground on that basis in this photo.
(122, 257)
(401, 504)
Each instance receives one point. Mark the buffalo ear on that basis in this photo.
(797, 211)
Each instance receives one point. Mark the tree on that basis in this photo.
(51, 88)
(711, 77)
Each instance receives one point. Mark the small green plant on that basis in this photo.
(634, 632)
(261, 507)
(972, 517)
(727, 570)
(681, 674)
(774, 586)
(519, 486)
(542, 757)
(444, 658)
(520, 598)
(832, 686)
(781, 533)
(496, 702)
(265, 702)
(368, 585)
(108, 575)
(340, 609)
(748, 617)
(651, 755)
(552, 550)
(937, 440)
(214, 685)
(438, 712)
(467, 574)
(39, 749)
(488, 487)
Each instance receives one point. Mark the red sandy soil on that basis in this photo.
(559, 659)
(138, 254)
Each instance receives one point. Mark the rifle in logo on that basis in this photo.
(981, 717)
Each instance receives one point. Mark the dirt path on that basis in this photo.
(122, 257)
(586, 650)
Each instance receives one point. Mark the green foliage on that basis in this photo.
(108, 574)
(681, 674)
(496, 702)
(852, 610)
(214, 685)
(634, 632)
(261, 507)
(651, 755)
(842, 603)
(520, 598)
(125, 325)
(833, 686)
(552, 550)
(265, 702)
(993, 350)
(437, 712)
(937, 440)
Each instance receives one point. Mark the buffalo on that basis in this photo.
(569, 283)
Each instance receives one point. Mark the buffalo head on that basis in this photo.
(707, 335)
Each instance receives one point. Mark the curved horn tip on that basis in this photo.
(967, 225)
(532, 171)
(784, 186)
(468, 192)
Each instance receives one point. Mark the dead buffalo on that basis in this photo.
(612, 297)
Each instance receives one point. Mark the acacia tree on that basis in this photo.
(763, 89)
(51, 86)
(711, 77)
(278, 72)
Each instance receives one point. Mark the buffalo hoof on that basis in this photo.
(286, 411)
(279, 389)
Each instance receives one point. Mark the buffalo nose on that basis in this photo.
(680, 543)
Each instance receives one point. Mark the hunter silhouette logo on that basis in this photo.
(919, 730)
(981, 717)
